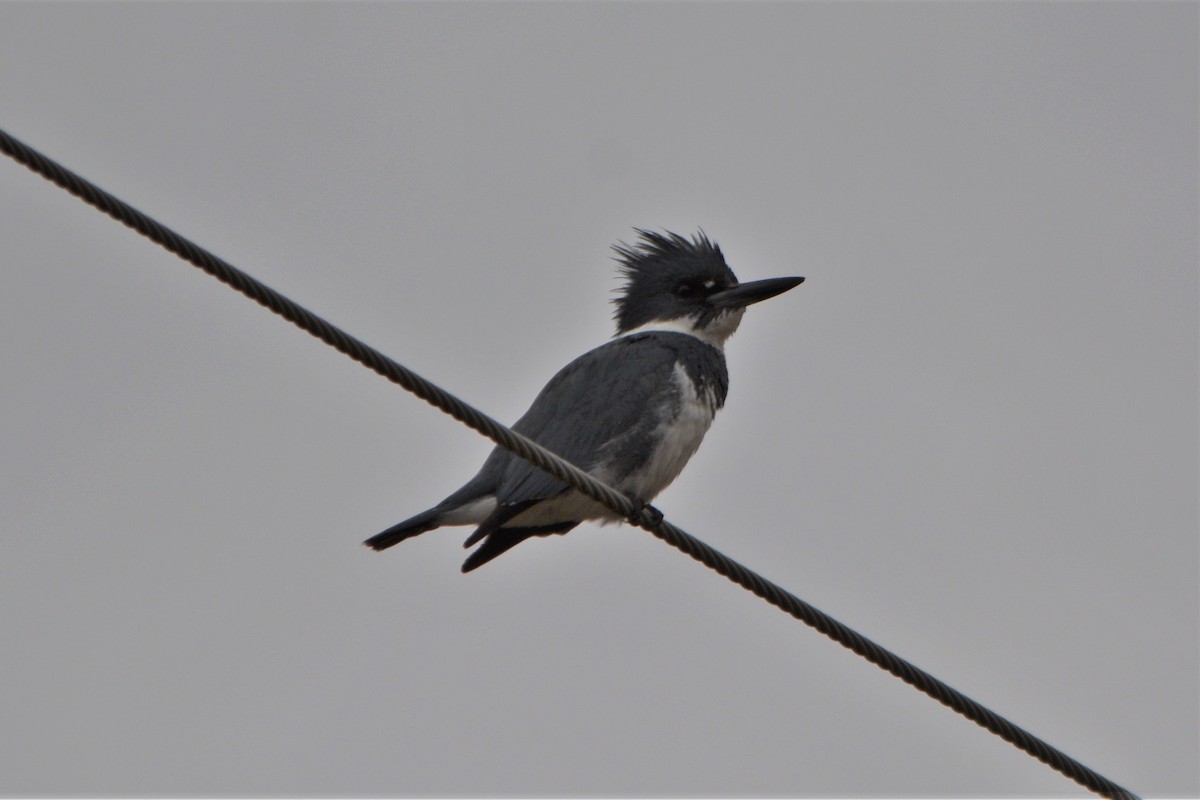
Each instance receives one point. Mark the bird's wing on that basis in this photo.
(607, 396)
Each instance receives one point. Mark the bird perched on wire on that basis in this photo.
(630, 412)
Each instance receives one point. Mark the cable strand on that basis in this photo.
(558, 467)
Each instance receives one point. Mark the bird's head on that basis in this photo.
(674, 283)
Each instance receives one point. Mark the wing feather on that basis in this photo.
(605, 398)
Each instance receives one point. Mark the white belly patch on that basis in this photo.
(678, 440)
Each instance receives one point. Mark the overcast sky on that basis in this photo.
(971, 434)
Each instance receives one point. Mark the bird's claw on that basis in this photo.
(647, 515)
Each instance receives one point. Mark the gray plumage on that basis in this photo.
(631, 412)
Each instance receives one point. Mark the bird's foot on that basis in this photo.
(647, 515)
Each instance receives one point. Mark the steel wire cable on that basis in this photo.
(645, 517)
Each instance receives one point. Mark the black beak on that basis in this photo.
(745, 294)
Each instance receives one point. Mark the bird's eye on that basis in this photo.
(685, 290)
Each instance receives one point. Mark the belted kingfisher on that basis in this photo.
(630, 412)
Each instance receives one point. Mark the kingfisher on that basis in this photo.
(631, 412)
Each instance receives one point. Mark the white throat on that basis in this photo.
(715, 332)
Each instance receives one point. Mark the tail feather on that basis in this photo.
(500, 540)
(413, 526)
(496, 539)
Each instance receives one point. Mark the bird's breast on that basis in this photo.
(676, 438)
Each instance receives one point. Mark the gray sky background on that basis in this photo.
(971, 435)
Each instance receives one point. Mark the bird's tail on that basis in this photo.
(500, 540)
(413, 526)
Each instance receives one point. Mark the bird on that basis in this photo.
(630, 412)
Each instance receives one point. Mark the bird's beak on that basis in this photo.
(745, 294)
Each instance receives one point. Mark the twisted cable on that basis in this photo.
(645, 517)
